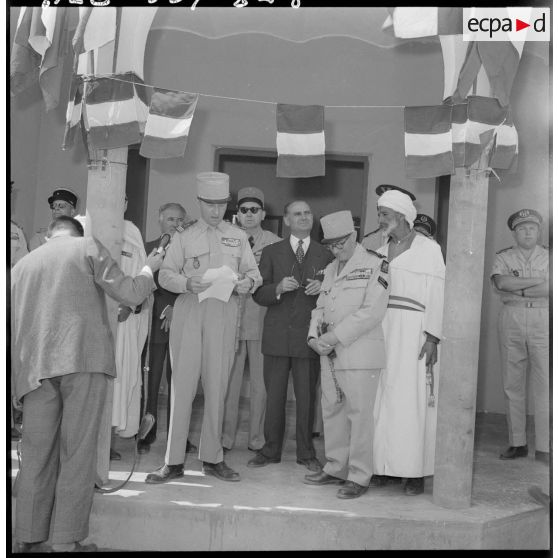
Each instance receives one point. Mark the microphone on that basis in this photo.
(163, 243)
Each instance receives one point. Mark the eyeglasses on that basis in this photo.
(253, 210)
(338, 245)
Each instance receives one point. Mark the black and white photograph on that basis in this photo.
(279, 276)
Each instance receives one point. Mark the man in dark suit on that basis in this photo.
(291, 271)
(172, 217)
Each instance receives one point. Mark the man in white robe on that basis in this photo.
(131, 334)
(406, 404)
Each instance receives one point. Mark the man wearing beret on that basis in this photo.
(250, 214)
(520, 276)
(405, 411)
(292, 271)
(378, 237)
(346, 331)
(202, 333)
(62, 202)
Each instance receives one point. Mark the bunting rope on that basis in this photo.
(88, 77)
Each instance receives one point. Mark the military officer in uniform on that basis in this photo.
(202, 334)
(425, 225)
(348, 321)
(520, 276)
(251, 213)
(373, 240)
(62, 202)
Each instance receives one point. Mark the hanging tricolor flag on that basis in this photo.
(73, 111)
(300, 141)
(458, 131)
(500, 60)
(484, 115)
(415, 22)
(428, 141)
(505, 152)
(40, 45)
(114, 115)
(168, 124)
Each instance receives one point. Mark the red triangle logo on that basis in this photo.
(519, 25)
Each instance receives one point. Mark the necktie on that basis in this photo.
(299, 252)
(251, 241)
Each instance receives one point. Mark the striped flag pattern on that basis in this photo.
(505, 153)
(428, 141)
(168, 124)
(300, 141)
(115, 110)
(458, 132)
(73, 111)
(484, 115)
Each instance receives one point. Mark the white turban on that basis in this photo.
(400, 202)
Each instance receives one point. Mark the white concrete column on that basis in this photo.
(453, 470)
(106, 187)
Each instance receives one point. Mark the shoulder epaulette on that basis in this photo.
(368, 234)
(186, 225)
(369, 250)
(504, 249)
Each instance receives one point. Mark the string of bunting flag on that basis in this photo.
(115, 112)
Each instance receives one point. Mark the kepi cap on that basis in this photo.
(213, 187)
(425, 222)
(250, 193)
(524, 216)
(385, 187)
(337, 226)
(63, 194)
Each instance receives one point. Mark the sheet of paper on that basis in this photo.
(222, 283)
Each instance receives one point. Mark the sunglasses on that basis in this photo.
(253, 210)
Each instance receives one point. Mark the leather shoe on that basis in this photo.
(321, 478)
(515, 451)
(143, 447)
(543, 456)
(377, 481)
(221, 471)
(26, 548)
(351, 490)
(191, 448)
(311, 464)
(91, 547)
(114, 455)
(414, 486)
(165, 474)
(260, 460)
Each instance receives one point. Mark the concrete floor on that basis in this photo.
(271, 509)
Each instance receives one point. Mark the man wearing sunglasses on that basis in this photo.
(250, 215)
(62, 202)
(291, 272)
(346, 331)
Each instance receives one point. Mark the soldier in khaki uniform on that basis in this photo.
(520, 276)
(251, 213)
(202, 334)
(348, 320)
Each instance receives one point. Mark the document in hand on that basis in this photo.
(222, 281)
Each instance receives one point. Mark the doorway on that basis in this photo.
(344, 186)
